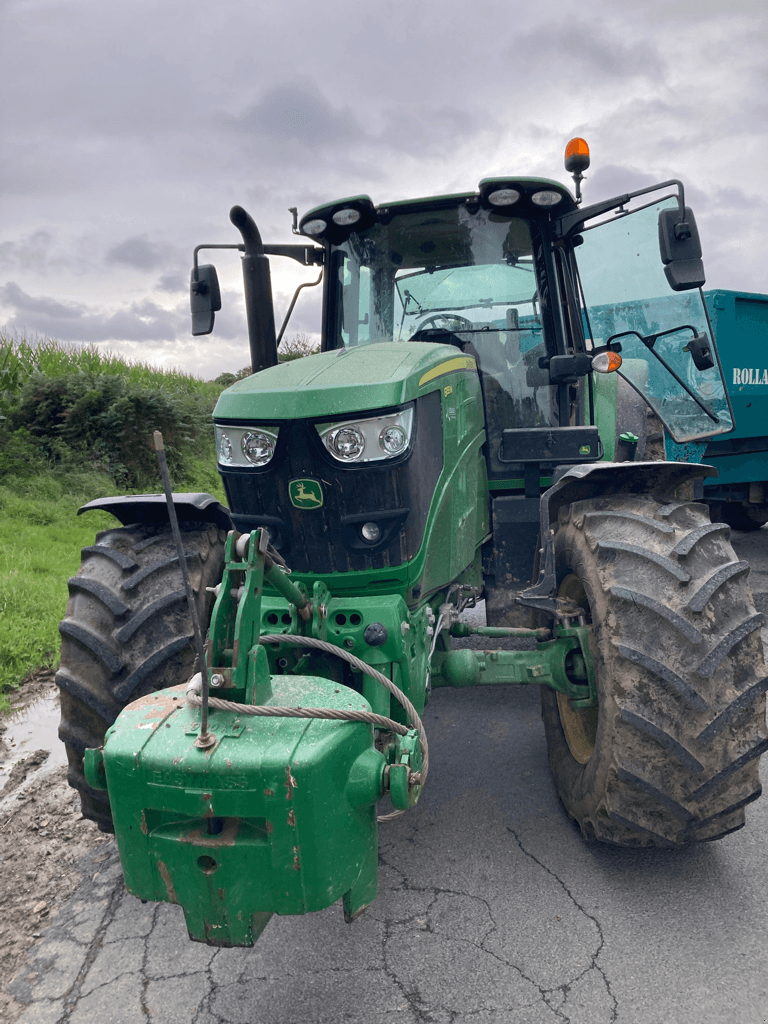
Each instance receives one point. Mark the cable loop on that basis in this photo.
(340, 714)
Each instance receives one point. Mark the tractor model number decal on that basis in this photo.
(750, 376)
(184, 781)
(305, 493)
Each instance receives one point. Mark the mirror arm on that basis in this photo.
(205, 246)
(307, 255)
(306, 284)
(571, 222)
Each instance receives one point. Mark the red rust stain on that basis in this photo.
(290, 783)
(269, 792)
(144, 827)
(269, 828)
(167, 881)
(291, 817)
(296, 864)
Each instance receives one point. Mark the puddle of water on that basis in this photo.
(35, 728)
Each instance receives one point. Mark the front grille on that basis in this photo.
(325, 539)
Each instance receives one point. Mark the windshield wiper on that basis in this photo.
(408, 297)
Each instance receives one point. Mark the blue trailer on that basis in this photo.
(739, 495)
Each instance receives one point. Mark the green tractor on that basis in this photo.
(484, 421)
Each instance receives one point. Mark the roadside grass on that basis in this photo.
(19, 358)
(41, 536)
(40, 541)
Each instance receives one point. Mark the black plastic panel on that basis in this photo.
(324, 539)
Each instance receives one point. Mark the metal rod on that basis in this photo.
(204, 740)
(307, 284)
(462, 629)
(288, 590)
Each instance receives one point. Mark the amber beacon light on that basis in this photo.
(576, 162)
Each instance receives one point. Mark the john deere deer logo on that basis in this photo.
(305, 493)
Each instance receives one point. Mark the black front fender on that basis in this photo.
(152, 508)
(591, 481)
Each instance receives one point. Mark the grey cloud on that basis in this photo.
(736, 200)
(424, 130)
(173, 283)
(295, 113)
(139, 252)
(613, 179)
(73, 321)
(31, 253)
(583, 50)
(17, 299)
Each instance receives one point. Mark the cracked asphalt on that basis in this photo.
(492, 910)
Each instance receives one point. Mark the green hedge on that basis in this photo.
(106, 422)
(74, 408)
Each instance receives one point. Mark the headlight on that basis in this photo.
(368, 440)
(258, 447)
(246, 446)
(346, 443)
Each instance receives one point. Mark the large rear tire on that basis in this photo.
(128, 632)
(670, 756)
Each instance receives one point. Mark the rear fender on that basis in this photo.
(591, 481)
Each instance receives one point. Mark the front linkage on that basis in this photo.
(276, 811)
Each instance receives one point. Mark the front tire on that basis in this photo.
(128, 632)
(670, 756)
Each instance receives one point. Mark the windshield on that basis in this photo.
(462, 277)
(436, 269)
(625, 290)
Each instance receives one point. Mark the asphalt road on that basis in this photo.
(492, 910)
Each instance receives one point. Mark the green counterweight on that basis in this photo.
(279, 817)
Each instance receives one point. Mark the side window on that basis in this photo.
(625, 289)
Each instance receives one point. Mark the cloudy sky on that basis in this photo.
(129, 129)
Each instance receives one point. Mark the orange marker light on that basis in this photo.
(606, 362)
(576, 156)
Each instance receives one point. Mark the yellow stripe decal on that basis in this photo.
(449, 366)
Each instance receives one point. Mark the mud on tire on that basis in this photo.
(127, 632)
(671, 755)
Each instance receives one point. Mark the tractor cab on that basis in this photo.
(533, 288)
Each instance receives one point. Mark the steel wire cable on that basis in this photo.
(340, 714)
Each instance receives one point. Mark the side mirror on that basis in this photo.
(680, 250)
(701, 352)
(204, 298)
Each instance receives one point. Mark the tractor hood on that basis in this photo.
(352, 380)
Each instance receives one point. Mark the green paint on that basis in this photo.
(333, 383)
(605, 390)
(233, 834)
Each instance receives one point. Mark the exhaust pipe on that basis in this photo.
(257, 285)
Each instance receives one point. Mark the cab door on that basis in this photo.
(628, 304)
